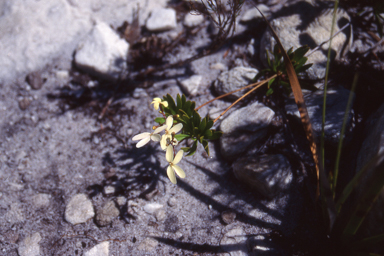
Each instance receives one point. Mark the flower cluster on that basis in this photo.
(167, 140)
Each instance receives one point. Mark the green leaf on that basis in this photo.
(215, 135)
(192, 150)
(269, 92)
(160, 120)
(271, 81)
(202, 125)
(178, 99)
(186, 149)
(268, 59)
(205, 145)
(181, 136)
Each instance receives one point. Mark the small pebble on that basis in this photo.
(121, 200)
(108, 190)
(101, 249)
(160, 215)
(228, 217)
(172, 201)
(148, 244)
(107, 213)
(79, 209)
(30, 245)
(35, 80)
(152, 207)
(24, 103)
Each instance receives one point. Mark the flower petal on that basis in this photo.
(171, 174)
(165, 103)
(155, 137)
(163, 142)
(179, 171)
(176, 128)
(141, 136)
(169, 154)
(160, 129)
(178, 157)
(169, 122)
(143, 142)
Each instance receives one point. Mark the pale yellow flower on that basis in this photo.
(145, 137)
(173, 167)
(167, 138)
(157, 102)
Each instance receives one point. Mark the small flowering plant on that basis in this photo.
(179, 116)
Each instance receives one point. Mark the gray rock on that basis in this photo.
(106, 214)
(190, 86)
(35, 80)
(253, 13)
(243, 127)
(172, 201)
(102, 53)
(336, 103)
(192, 20)
(30, 245)
(228, 217)
(235, 242)
(160, 215)
(24, 103)
(79, 209)
(101, 249)
(267, 174)
(121, 200)
(15, 213)
(151, 208)
(161, 20)
(234, 79)
(287, 29)
(148, 244)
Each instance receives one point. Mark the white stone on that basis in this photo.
(109, 190)
(161, 20)
(101, 249)
(152, 207)
(30, 245)
(41, 200)
(148, 244)
(103, 52)
(36, 34)
(191, 85)
(192, 20)
(79, 209)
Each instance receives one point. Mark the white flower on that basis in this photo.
(172, 168)
(145, 137)
(168, 137)
(157, 101)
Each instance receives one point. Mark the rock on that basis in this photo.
(103, 53)
(267, 174)
(253, 13)
(234, 79)
(192, 20)
(30, 245)
(190, 86)
(160, 215)
(79, 209)
(152, 207)
(101, 249)
(35, 80)
(161, 20)
(293, 33)
(373, 144)
(37, 33)
(228, 217)
(336, 103)
(243, 127)
(234, 242)
(139, 93)
(148, 244)
(10, 236)
(106, 214)
(172, 201)
(40, 200)
(109, 190)
(24, 103)
(218, 66)
(121, 200)
(15, 213)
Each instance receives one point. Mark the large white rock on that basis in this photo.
(30, 245)
(103, 53)
(35, 34)
(101, 249)
(162, 19)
